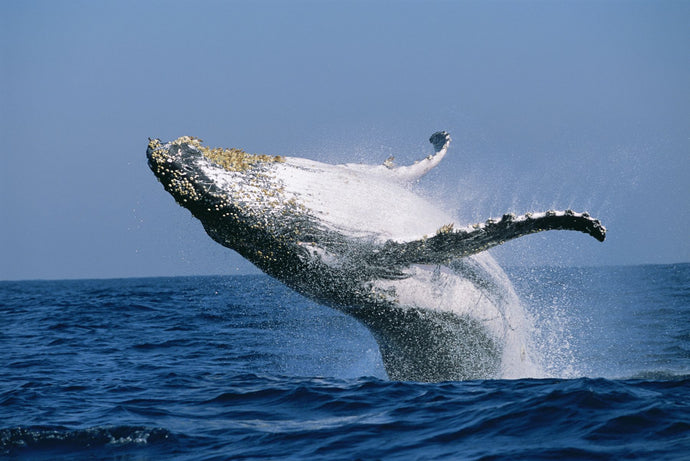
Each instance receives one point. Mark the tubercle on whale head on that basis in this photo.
(175, 176)
(215, 180)
(176, 165)
(230, 159)
(179, 165)
(221, 187)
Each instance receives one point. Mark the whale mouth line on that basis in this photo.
(436, 303)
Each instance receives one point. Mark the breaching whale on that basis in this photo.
(344, 235)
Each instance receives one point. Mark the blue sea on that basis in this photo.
(240, 367)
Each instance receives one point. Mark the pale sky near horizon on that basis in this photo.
(568, 104)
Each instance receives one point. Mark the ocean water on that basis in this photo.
(197, 368)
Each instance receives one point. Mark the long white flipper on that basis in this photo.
(409, 173)
(440, 140)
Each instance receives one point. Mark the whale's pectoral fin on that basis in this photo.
(449, 243)
(440, 141)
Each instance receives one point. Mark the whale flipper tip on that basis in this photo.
(440, 140)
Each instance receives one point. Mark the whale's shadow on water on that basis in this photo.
(357, 238)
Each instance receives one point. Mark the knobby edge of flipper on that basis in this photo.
(449, 243)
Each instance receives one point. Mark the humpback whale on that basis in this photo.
(439, 307)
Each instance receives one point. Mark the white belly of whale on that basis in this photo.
(359, 203)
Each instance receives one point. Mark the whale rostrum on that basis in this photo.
(358, 238)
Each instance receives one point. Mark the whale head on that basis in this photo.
(229, 191)
(220, 182)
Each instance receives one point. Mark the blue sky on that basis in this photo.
(550, 105)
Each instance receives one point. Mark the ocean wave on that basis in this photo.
(269, 375)
(55, 440)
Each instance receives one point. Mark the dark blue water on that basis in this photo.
(241, 367)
